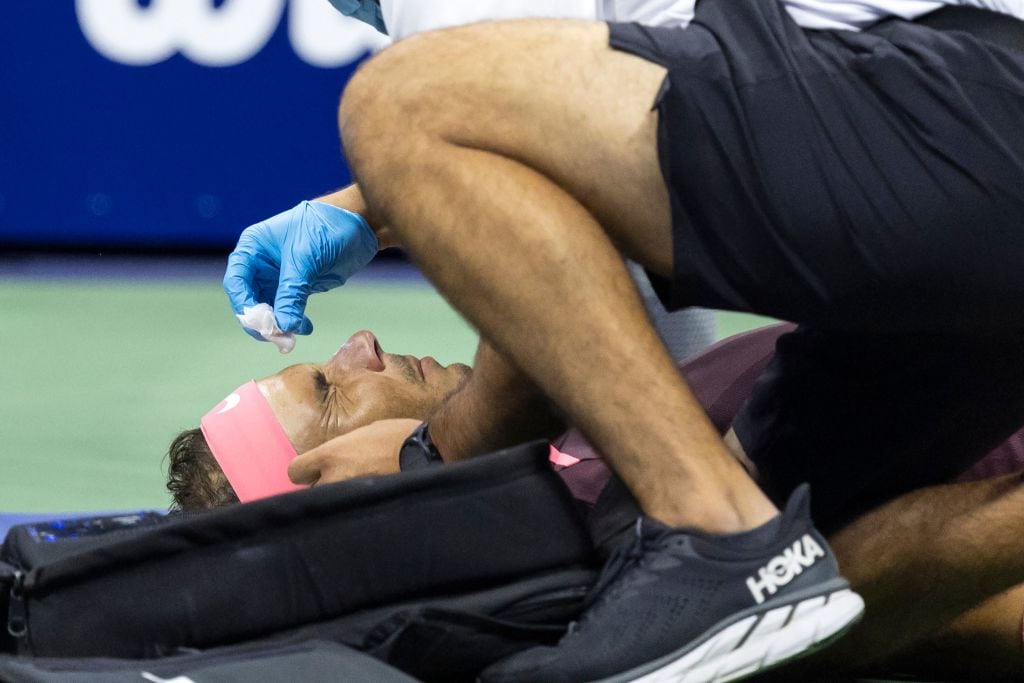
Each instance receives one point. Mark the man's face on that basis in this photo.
(359, 384)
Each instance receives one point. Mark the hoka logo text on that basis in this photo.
(784, 568)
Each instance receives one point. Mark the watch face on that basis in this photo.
(412, 457)
(418, 451)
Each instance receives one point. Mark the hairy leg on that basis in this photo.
(923, 560)
(517, 162)
(982, 644)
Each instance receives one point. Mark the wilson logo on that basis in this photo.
(230, 33)
(784, 568)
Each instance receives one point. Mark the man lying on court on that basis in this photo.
(939, 623)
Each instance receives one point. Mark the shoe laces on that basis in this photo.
(622, 559)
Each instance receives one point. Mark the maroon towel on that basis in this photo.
(722, 377)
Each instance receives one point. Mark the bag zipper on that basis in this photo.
(522, 609)
(17, 616)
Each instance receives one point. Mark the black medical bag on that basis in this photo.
(315, 660)
(438, 571)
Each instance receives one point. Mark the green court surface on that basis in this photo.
(97, 376)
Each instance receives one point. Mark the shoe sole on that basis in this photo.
(755, 640)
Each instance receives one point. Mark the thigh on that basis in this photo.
(865, 418)
(549, 94)
(984, 643)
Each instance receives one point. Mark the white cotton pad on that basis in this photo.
(261, 319)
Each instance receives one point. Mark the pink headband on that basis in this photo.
(249, 444)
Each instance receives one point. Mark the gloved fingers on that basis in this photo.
(244, 292)
(240, 279)
(326, 283)
(241, 297)
(290, 304)
(305, 327)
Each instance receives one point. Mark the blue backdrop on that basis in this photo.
(166, 123)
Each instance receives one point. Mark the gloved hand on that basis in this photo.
(313, 247)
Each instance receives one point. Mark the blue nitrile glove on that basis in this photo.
(366, 11)
(282, 260)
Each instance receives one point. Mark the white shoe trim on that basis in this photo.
(763, 641)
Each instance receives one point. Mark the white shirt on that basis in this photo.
(858, 14)
(405, 17)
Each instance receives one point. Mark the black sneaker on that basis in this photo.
(681, 605)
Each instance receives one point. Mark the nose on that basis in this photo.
(362, 350)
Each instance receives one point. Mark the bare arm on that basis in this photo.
(351, 199)
(497, 407)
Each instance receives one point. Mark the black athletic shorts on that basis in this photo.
(840, 178)
(869, 186)
(867, 417)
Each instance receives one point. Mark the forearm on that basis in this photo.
(351, 199)
(496, 408)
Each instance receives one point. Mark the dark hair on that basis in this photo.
(194, 478)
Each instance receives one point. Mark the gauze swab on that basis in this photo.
(260, 318)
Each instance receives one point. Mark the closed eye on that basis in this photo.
(330, 394)
(323, 387)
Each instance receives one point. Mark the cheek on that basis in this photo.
(384, 400)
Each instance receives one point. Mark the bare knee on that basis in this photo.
(469, 84)
(398, 111)
(547, 95)
(382, 101)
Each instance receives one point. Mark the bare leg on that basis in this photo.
(982, 644)
(515, 161)
(922, 561)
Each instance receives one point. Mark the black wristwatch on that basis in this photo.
(418, 451)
